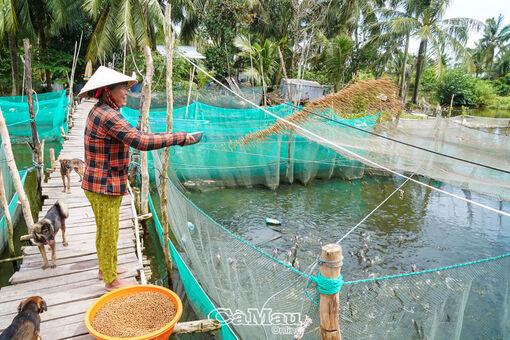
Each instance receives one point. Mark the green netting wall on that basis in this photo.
(51, 113)
(212, 96)
(460, 302)
(12, 199)
(216, 162)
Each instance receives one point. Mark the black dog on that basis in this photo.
(26, 325)
(45, 230)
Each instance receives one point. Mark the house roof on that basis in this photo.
(302, 82)
(189, 51)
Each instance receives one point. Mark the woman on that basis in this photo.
(108, 137)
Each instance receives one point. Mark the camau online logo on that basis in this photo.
(256, 317)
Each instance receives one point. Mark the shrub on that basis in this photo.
(468, 91)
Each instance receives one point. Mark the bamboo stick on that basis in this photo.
(192, 74)
(36, 146)
(145, 104)
(328, 309)
(7, 214)
(198, 326)
(52, 159)
(169, 44)
(12, 259)
(6, 141)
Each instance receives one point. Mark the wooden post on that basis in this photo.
(192, 74)
(36, 146)
(169, 44)
(42, 155)
(451, 104)
(6, 141)
(7, 214)
(330, 328)
(52, 159)
(145, 104)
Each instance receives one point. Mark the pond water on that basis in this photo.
(423, 228)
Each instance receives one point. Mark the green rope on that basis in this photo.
(325, 286)
(427, 271)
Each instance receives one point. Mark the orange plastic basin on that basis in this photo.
(160, 334)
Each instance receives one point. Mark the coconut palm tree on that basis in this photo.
(37, 20)
(494, 39)
(122, 24)
(263, 58)
(430, 27)
(423, 20)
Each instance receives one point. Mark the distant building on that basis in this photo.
(302, 90)
(189, 51)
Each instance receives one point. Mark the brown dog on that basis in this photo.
(26, 325)
(66, 166)
(45, 230)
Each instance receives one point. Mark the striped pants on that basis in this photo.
(106, 212)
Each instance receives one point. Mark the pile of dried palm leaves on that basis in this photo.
(359, 99)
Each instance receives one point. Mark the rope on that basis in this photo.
(325, 286)
(365, 218)
(344, 149)
(427, 271)
(399, 141)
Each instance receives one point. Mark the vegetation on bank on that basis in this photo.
(335, 43)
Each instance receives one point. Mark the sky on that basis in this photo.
(476, 9)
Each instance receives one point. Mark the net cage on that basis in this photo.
(220, 98)
(257, 294)
(217, 162)
(12, 199)
(51, 110)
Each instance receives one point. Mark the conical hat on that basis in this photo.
(105, 76)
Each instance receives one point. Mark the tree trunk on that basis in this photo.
(47, 73)
(408, 84)
(145, 104)
(36, 145)
(169, 44)
(13, 49)
(404, 65)
(419, 67)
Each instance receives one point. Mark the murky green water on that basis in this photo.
(23, 157)
(424, 228)
(483, 112)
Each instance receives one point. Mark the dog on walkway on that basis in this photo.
(26, 325)
(45, 230)
(68, 165)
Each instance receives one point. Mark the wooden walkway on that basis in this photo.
(72, 286)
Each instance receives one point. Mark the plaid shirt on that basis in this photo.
(108, 137)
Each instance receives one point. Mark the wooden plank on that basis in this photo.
(34, 261)
(41, 287)
(70, 330)
(66, 269)
(80, 248)
(56, 313)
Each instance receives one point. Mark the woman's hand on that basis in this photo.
(189, 139)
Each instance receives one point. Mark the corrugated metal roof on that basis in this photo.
(302, 82)
(189, 51)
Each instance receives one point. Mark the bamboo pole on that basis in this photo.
(210, 326)
(36, 146)
(145, 104)
(169, 44)
(7, 214)
(52, 159)
(42, 154)
(11, 259)
(192, 74)
(328, 309)
(451, 105)
(6, 141)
